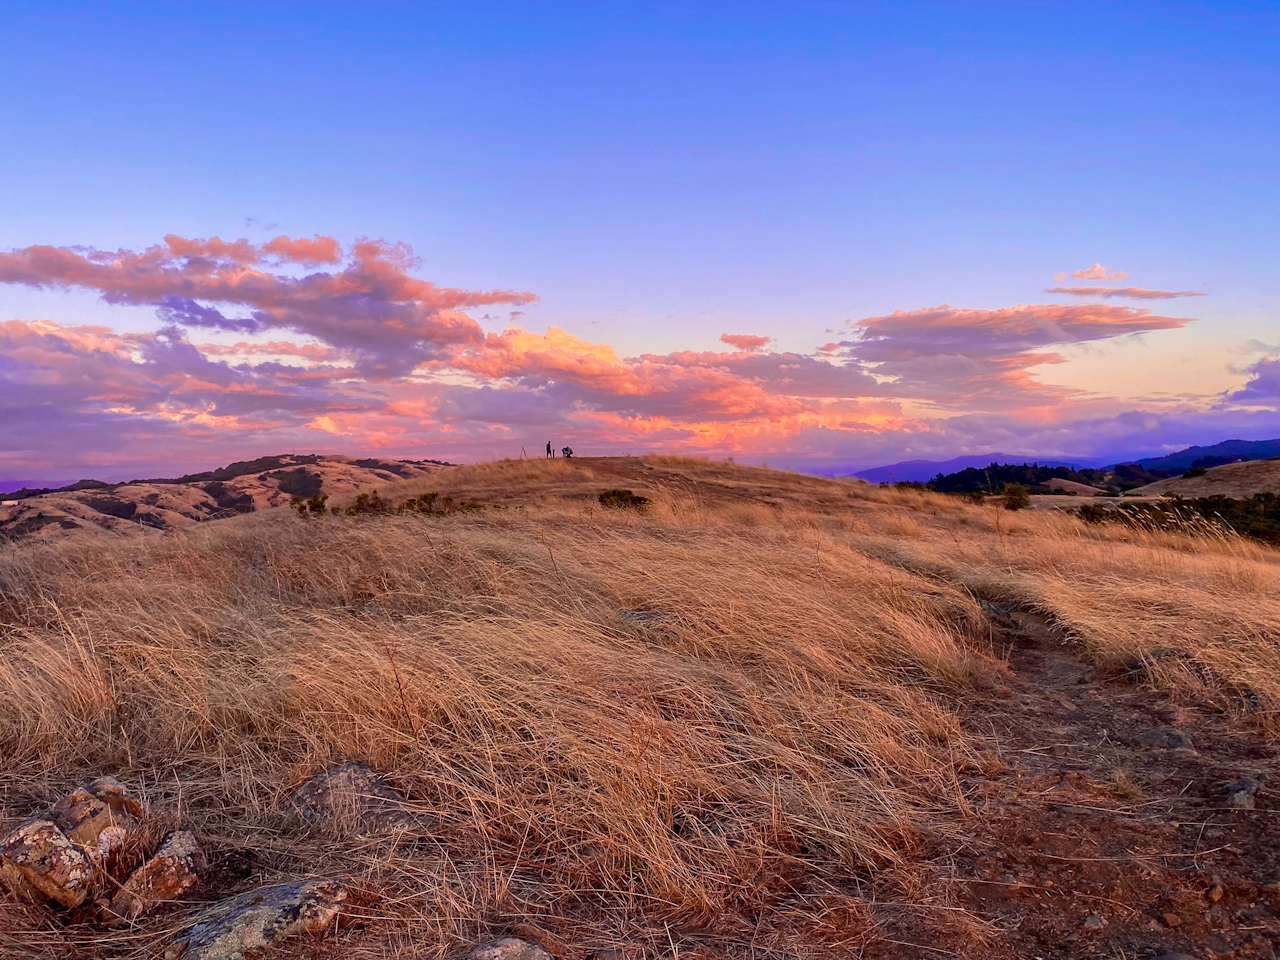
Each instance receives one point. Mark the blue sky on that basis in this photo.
(660, 176)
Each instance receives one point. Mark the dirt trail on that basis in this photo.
(1100, 840)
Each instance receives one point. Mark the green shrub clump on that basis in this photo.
(1015, 497)
(622, 499)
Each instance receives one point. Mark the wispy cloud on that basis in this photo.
(1127, 293)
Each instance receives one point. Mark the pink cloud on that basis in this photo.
(744, 341)
(381, 359)
(1098, 272)
(386, 320)
(1130, 293)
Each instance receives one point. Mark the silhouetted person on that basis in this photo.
(567, 452)
(549, 453)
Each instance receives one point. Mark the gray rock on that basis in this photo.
(1166, 738)
(351, 795)
(508, 948)
(1240, 793)
(1093, 922)
(1142, 664)
(260, 918)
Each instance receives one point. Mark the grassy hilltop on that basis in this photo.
(764, 715)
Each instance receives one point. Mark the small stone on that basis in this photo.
(1241, 793)
(1167, 738)
(508, 948)
(350, 793)
(38, 858)
(1093, 922)
(174, 869)
(1171, 920)
(260, 918)
(1215, 893)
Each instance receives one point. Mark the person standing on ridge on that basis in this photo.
(549, 454)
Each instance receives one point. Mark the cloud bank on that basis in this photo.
(306, 344)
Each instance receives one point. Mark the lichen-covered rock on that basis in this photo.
(508, 948)
(39, 859)
(350, 794)
(260, 918)
(55, 854)
(174, 869)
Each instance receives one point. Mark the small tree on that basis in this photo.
(1016, 497)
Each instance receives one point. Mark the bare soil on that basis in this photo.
(1089, 820)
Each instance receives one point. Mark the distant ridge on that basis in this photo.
(1227, 450)
(920, 471)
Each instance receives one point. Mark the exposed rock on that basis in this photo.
(1240, 793)
(352, 794)
(1093, 922)
(174, 869)
(260, 918)
(1143, 663)
(508, 948)
(39, 859)
(1215, 893)
(55, 854)
(1167, 738)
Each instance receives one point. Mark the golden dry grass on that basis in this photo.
(770, 763)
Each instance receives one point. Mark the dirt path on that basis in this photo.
(1104, 839)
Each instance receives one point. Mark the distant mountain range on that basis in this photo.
(920, 471)
(1224, 452)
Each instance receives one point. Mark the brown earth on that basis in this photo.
(1229, 480)
(769, 716)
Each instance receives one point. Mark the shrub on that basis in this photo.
(1196, 472)
(1093, 513)
(1015, 497)
(621, 499)
(313, 506)
(366, 503)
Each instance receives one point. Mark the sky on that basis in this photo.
(821, 236)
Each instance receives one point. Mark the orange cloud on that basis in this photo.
(314, 251)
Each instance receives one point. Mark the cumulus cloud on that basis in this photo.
(980, 358)
(386, 320)
(1098, 272)
(744, 341)
(1128, 293)
(307, 344)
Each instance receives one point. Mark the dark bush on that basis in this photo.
(1093, 513)
(366, 503)
(1196, 472)
(300, 482)
(1015, 497)
(622, 499)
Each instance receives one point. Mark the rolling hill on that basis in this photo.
(146, 506)
(738, 713)
(1235, 480)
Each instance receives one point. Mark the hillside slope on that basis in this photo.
(766, 715)
(1236, 480)
(146, 506)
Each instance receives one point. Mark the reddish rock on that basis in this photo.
(38, 858)
(350, 794)
(174, 869)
